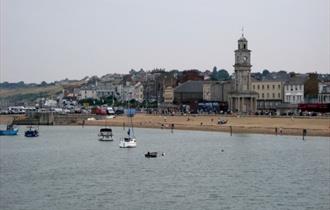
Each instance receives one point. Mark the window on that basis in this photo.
(244, 46)
(267, 95)
(267, 87)
(293, 98)
(273, 95)
(262, 87)
(296, 87)
(253, 87)
(279, 87)
(273, 87)
(258, 87)
(279, 95)
(263, 95)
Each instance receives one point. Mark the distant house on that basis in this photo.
(324, 92)
(188, 92)
(294, 89)
(87, 92)
(138, 92)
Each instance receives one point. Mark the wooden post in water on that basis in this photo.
(304, 133)
(231, 130)
(276, 131)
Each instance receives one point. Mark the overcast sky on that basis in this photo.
(56, 39)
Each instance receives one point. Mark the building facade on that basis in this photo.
(324, 92)
(138, 92)
(168, 95)
(294, 90)
(242, 99)
(188, 92)
(216, 91)
(270, 94)
(86, 93)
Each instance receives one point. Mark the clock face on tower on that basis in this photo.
(245, 58)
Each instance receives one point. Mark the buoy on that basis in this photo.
(222, 150)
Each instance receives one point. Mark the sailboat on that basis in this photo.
(130, 140)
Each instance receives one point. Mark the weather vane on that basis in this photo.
(242, 31)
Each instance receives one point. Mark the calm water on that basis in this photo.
(67, 168)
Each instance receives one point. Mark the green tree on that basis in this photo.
(223, 75)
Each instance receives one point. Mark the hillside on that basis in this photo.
(18, 92)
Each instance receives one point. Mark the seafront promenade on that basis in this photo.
(315, 126)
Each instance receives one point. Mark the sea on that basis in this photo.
(66, 167)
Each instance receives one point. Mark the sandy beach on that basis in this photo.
(236, 124)
(246, 124)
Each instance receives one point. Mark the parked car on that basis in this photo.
(119, 112)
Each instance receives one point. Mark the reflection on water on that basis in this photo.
(67, 168)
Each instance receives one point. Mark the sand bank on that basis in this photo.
(248, 124)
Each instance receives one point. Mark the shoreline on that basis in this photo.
(283, 126)
(236, 124)
(223, 129)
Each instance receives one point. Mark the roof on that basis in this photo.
(297, 80)
(190, 87)
(242, 39)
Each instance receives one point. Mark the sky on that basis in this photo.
(48, 40)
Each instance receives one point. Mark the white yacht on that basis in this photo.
(105, 134)
(130, 140)
(127, 142)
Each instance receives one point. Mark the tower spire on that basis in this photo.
(242, 31)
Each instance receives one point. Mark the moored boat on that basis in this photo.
(10, 131)
(127, 142)
(151, 154)
(31, 132)
(130, 140)
(105, 134)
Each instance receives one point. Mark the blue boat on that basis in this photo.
(10, 131)
(32, 132)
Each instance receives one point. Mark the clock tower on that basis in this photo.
(242, 98)
(242, 66)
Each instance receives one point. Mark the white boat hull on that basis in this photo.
(127, 144)
(105, 138)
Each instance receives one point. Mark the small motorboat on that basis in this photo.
(31, 132)
(127, 142)
(10, 131)
(105, 134)
(151, 154)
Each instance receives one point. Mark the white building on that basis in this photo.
(138, 92)
(294, 90)
(85, 93)
(127, 92)
(324, 92)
